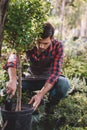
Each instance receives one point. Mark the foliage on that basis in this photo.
(3, 77)
(23, 27)
(24, 22)
(75, 10)
(77, 85)
(70, 113)
(75, 58)
(74, 17)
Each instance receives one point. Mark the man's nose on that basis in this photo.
(41, 46)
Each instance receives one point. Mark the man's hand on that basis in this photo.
(11, 88)
(36, 100)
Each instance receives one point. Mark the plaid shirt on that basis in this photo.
(55, 50)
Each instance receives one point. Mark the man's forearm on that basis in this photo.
(11, 84)
(12, 73)
(45, 88)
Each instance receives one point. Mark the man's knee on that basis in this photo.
(60, 89)
(62, 86)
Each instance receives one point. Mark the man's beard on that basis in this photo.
(40, 50)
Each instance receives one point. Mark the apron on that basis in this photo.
(39, 70)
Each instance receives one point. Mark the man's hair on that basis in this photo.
(48, 31)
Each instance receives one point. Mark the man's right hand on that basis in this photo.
(11, 88)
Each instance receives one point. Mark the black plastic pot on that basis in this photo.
(18, 120)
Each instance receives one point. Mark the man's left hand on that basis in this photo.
(36, 100)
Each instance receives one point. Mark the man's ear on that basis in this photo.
(52, 39)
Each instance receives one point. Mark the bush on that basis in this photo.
(75, 58)
(70, 112)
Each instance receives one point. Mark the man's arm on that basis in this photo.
(11, 69)
(37, 98)
(56, 67)
(11, 84)
(54, 74)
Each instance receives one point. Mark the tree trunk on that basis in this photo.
(62, 18)
(19, 88)
(3, 10)
(84, 25)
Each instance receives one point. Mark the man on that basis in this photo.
(45, 70)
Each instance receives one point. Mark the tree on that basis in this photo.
(3, 10)
(70, 15)
(22, 28)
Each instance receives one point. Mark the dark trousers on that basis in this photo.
(58, 91)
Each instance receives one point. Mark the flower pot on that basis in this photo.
(18, 120)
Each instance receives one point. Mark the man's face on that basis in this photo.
(43, 44)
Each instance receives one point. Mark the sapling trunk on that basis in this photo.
(19, 87)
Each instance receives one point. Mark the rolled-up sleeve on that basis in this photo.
(12, 62)
(56, 67)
